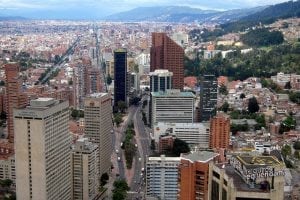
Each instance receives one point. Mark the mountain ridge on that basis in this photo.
(180, 14)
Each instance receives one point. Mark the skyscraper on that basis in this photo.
(14, 97)
(120, 88)
(172, 106)
(85, 172)
(219, 132)
(167, 54)
(42, 150)
(98, 126)
(208, 98)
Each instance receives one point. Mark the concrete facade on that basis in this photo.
(42, 150)
(98, 126)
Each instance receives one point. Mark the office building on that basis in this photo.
(248, 178)
(120, 83)
(167, 54)
(85, 172)
(172, 106)
(15, 98)
(8, 168)
(42, 150)
(193, 177)
(98, 126)
(160, 80)
(195, 134)
(162, 177)
(219, 132)
(208, 97)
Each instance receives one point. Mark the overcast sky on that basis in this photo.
(107, 7)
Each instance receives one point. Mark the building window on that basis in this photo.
(224, 194)
(215, 174)
(214, 190)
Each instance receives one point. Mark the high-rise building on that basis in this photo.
(85, 172)
(167, 54)
(219, 132)
(15, 98)
(98, 126)
(208, 98)
(42, 150)
(247, 177)
(160, 80)
(195, 134)
(120, 83)
(162, 177)
(93, 84)
(194, 175)
(172, 106)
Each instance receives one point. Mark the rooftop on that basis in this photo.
(120, 50)
(200, 156)
(97, 95)
(164, 158)
(258, 161)
(172, 93)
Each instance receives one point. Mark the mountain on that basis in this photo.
(274, 12)
(180, 14)
(159, 13)
(265, 16)
(11, 18)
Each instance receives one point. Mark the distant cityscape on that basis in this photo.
(150, 110)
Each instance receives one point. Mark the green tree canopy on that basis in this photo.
(286, 150)
(253, 106)
(297, 145)
(121, 106)
(179, 147)
(262, 37)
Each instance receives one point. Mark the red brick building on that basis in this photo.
(194, 175)
(15, 98)
(167, 54)
(219, 132)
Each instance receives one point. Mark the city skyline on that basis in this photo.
(92, 9)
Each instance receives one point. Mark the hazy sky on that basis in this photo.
(98, 8)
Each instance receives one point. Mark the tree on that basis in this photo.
(223, 89)
(121, 106)
(56, 59)
(179, 147)
(297, 145)
(242, 96)
(297, 154)
(104, 178)
(225, 107)
(120, 189)
(118, 119)
(288, 85)
(287, 124)
(286, 150)
(253, 106)
(6, 183)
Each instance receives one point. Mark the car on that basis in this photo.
(119, 158)
(135, 145)
(117, 151)
(140, 158)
